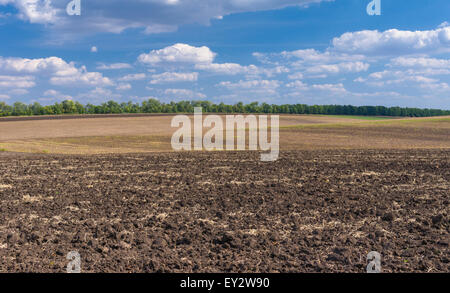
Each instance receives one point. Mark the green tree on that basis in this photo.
(69, 107)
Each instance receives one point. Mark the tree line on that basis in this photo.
(155, 106)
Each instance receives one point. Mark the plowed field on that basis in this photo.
(310, 211)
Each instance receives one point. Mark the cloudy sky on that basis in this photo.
(276, 51)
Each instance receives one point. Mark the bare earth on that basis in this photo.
(153, 134)
(310, 211)
(111, 189)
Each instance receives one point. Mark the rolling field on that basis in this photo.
(153, 133)
(111, 189)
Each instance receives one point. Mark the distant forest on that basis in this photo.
(155, 106)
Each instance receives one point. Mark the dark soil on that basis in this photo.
(320, 211)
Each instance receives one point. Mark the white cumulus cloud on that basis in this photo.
(168, 77)
(60, 72)
(394, 42)
(153, 16)
(178, 53)
(7, 81)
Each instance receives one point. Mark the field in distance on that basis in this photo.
(127, 134)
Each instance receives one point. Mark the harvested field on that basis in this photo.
(141, 134)
(310, 211)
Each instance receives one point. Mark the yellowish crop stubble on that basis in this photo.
(153, 134)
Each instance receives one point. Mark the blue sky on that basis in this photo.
(276, 51)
